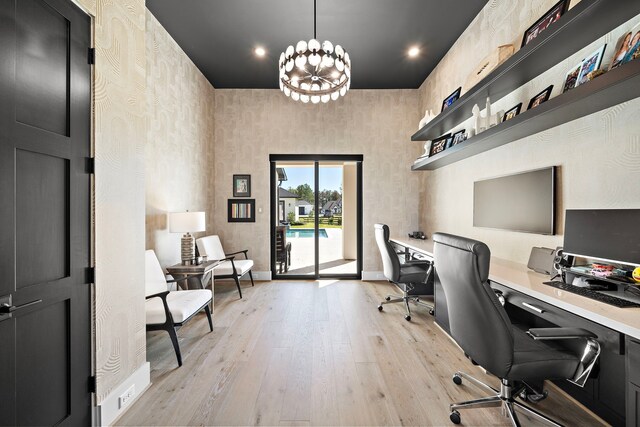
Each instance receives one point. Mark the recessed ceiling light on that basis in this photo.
(259, 51)
(414, 51)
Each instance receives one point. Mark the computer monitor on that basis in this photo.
(611, 235)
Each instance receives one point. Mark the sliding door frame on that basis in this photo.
(316, 159)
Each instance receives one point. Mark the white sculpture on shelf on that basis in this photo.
(428, 116)
(482, 122)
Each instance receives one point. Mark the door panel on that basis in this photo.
(45, 81)
(42, 78)
(42, 212)
(43, 355)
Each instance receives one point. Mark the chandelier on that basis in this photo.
(314, 72)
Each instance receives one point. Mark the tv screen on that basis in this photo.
(521, 202)
(606, 234)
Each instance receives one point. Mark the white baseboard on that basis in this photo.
(373, 275)
(258, 275)
(109, 411)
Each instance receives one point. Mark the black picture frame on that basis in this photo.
(439, 144)
(241, 210)
(540, 98)
(458, 137)
(511, 113)
(449, 100)
(241, 185)
(551, 16)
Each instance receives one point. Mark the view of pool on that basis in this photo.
(305, 232)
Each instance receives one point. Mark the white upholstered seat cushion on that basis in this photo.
(182, 304)
(225, 268)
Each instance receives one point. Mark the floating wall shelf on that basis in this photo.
(618, 85)
(584, 23)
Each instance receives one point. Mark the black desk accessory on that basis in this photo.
(418, 235)
(589, 293)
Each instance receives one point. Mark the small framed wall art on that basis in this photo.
(439, 144)
(241, 185)
(241, 210)
(449, 100)
(540, 98)
(543, 23)
(512, 113)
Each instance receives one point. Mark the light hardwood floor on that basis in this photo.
(314, 353)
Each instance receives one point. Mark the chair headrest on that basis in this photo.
(479, 249)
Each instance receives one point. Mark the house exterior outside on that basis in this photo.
(333, 207)
(303, 208)
(286, 203)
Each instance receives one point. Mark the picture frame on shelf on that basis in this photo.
(626, 48)
(571, 78)
(545, 21)
(540, 98)
(449, 100)
(589, 64)
(458, 137)
(510, 114)
(241, 210)
(241, 185)
(439, 144)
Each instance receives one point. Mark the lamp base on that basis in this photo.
(187, 249)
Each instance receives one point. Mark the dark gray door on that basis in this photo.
(45, 340)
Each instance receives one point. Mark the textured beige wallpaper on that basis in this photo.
(119, 136)
(179, 149)
(251, 124)
(598, 155)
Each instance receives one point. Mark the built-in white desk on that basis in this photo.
(520, 278)
(614, 392)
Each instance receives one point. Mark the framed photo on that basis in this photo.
(589, 64)
(439, 144)
(572, 78)
(449, 100)
(458, 137)
(540, 98)
(512, 113)
(241, 210)
(543, 23)
(626, 48)
(241, 185)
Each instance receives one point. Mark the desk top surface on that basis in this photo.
(518, 277)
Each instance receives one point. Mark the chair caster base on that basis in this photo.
(457, 379)
(407, 318)
(432, 312)
(387, 299)
(454, 416)
(380, 307)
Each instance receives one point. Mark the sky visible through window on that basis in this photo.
(330, 177)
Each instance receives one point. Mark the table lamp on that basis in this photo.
(187, 222)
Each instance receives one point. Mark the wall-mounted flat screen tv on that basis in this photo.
(523, 202)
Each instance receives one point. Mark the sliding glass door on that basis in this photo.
(316, 216)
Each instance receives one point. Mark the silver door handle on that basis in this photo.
(533, 307)
(7, 309)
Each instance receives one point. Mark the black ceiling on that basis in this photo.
(220, 36)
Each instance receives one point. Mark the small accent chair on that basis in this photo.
(229, 267)
(481, 327)
(166, 310)
(283, 248)
(403, 275)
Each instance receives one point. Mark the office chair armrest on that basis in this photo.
(560, 333)
(417, 262)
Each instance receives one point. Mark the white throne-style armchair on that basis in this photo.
(166, 310)
(229, 267)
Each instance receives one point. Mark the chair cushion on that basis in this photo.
(412, 273)
(154, 280)
(211, 247)
(182, 304)
(225, 268)
(540, 360)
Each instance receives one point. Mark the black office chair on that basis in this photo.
(480, 325)
(405, 276)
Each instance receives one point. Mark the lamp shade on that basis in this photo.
(185, 222)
